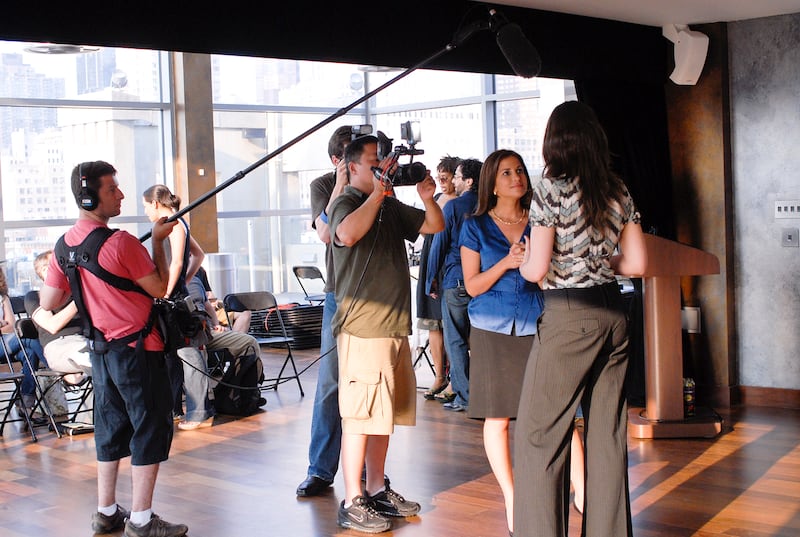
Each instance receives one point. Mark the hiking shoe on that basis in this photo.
(155, 528)
(390, 503)
(361, 517)
(106, 524)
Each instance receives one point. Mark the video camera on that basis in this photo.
(412, 172)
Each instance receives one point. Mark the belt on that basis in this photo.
(603, 296)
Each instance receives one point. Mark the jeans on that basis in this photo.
(36, 355)
(455, 326)
(326, 425)
(195, 384)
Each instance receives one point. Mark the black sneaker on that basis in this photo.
(390, 503)
(106, 524)
(362, 517)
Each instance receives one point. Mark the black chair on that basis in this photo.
(18, 306)
(77, 395)
(263, 302)
(310, 273)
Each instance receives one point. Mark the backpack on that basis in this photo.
(238, 392)
(181, 323)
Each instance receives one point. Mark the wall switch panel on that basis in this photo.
(787, 209)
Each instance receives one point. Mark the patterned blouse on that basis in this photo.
(581, 255)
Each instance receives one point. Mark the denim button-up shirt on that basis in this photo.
(512, 302)
(444, 259)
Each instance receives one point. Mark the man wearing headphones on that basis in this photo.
(132, 390)
(377, 386)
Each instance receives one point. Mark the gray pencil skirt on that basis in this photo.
(496, 370)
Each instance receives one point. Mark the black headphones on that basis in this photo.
(87, 198)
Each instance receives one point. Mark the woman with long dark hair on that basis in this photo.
(504, 306)
(584, 230)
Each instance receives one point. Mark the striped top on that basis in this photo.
(581, 255)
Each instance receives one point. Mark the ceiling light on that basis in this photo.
(53, 48)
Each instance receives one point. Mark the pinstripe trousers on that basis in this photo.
(579, 356)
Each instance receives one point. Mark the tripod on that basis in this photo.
(423, 352)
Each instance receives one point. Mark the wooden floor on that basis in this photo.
(238, 478)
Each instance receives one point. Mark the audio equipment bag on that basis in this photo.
(238, 392)
(180, 323)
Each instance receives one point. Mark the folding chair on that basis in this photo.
(14, 379)
(18, 306)
(423, 352)
(264, 302)
(77, 395)
(310, 273)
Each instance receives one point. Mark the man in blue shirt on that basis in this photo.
(445, 277)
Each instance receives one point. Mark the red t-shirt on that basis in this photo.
(114, 312)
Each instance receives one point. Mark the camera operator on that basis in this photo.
(372, 325)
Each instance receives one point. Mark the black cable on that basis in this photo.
(220, 381)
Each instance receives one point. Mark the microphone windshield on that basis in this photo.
(518, 50)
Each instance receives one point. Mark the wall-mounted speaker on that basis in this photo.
(691, 48)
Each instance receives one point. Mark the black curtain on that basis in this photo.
(398, 35)
(634, 117)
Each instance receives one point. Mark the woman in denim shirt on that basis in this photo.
(504, 308)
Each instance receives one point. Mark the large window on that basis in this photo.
(114, 104)
(58, 110)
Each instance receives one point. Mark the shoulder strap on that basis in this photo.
(85, 255)
(180, 288)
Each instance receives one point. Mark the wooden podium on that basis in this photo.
(663, 416)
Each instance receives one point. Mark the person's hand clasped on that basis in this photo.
(516, 254)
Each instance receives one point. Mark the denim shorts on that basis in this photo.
(132, 406)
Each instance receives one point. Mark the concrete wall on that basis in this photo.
(765, 126)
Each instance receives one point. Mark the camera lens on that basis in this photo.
(410, 174)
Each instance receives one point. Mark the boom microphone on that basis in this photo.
(517, 49)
